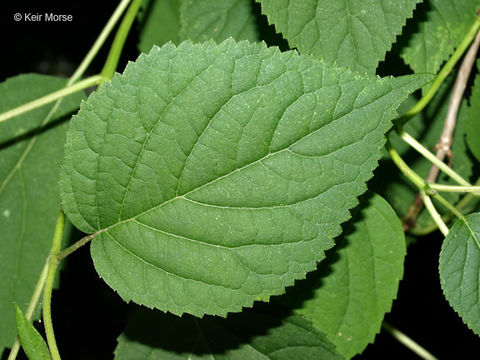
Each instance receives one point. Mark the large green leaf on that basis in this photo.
(349, 295)
(460, 270)
(203, 20)
(249, 335)
(29, 196)
(442, 24)
(159, 23)
(352, 33)
(31, 340)
(216, 175)
(472, 119)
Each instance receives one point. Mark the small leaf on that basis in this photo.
(356, 285)
(460, 270)
(441, 24)
(159, 23)
(30, 339)
(249, 335)
(472, 119)
(216, 175)
(29, 198)
(351, 33)
(203, 20)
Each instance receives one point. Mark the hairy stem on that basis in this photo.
(47, 99)
(408, 342)
(442, 75)
(120, 38)
(47, 295)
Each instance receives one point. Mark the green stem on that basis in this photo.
(455, 188)
(47, 99)
(437, 218)
(100, 41)
(47, 295)
(449, 206)
(431, 157)
(37, 292)
(120, 38)
(404, 168)
(77, 245)
(408, 342)
(442, 75)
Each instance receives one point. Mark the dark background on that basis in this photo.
(88, 315)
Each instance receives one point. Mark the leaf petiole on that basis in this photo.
(437, 218)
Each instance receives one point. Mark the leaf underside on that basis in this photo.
(216, 175)
(29, 196)
(153, 335)
(354, 289)
(460, 270)
(353, 33)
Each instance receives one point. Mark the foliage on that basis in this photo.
(216, 174)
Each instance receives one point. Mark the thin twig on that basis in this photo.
(408, 342)
(443, 147)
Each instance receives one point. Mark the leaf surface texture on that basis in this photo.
(353, 33)
(216, 175)
(460, 270)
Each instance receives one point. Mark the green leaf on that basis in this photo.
(214, 175)
(442, 24)
(460, 270)
(472, 119)
(30, 339)
(196, 20)
(249, 335)
(352, 33)
(159, 23)
(355, 286)
(29, 196)
(218, 20)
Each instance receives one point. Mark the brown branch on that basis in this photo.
(443, 147)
